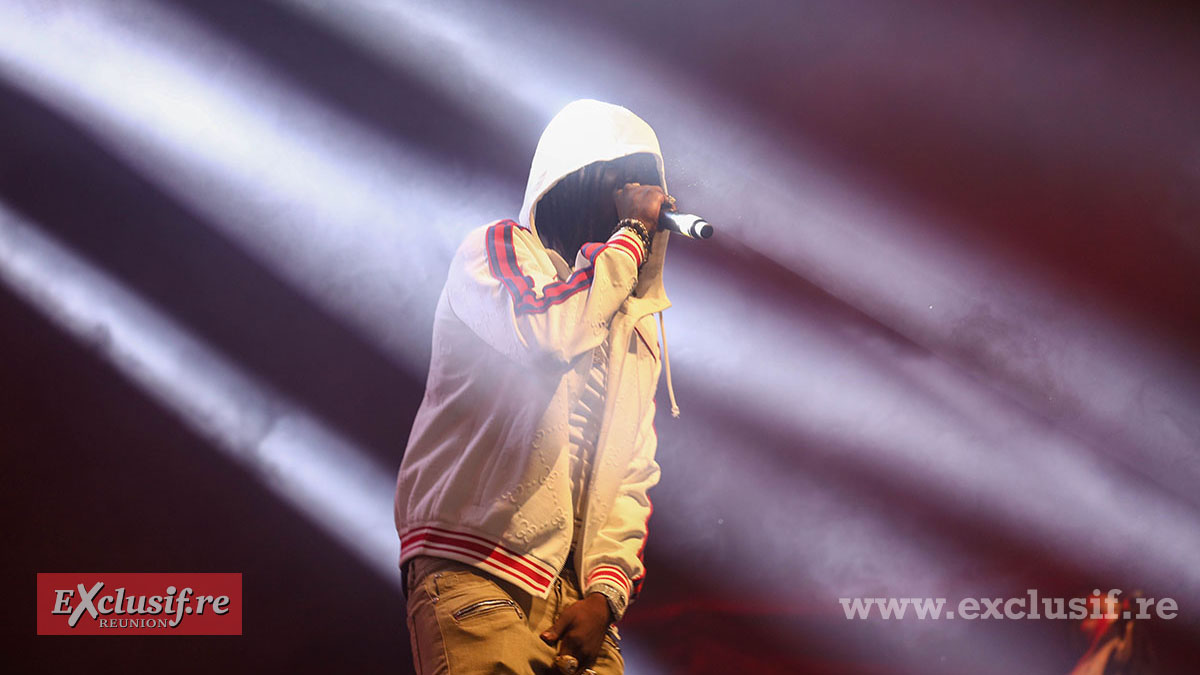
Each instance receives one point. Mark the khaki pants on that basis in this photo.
(463, 621)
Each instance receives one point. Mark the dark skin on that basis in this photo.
(579, 630)
(586, 207)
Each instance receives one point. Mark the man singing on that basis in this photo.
(522, 502)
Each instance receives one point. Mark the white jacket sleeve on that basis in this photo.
(615, 555)
(502, 286)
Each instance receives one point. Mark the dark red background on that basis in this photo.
(100, 476)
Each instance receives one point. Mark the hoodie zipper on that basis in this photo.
(612, 382)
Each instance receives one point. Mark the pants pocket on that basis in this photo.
(467, 594)
(425, 632)
(485, 606)
(482, 627)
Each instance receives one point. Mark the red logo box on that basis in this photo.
(139, 604)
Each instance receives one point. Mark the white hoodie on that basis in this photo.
(485, 479)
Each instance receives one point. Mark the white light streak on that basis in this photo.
(310, 205)
(990, 314)
(359, 224)
(306, 464)
(929, 430)
(877, 255)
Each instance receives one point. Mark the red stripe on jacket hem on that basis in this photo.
(479, 549)
(483, 540)
(533, 562)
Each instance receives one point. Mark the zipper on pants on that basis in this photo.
(484, 606)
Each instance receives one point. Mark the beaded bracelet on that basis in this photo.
(639, 228)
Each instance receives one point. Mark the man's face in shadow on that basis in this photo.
(582, 208)
(602, 179)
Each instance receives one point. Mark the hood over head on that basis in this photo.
(584, 132)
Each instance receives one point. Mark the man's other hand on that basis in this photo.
(580, 629)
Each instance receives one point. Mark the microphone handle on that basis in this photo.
(687, 224)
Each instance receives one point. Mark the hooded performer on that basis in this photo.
(522, 501)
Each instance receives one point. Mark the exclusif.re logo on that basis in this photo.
(139, 604)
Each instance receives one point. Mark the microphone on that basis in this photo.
(688, 225)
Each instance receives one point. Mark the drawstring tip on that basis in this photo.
(675, 411)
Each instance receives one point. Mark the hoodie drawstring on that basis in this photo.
(662, 328)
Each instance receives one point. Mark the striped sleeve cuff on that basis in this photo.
(630, 244)
(610, 581)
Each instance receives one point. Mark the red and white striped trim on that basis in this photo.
(610, 574)
(505, 268)
(621, 240)
(629, 244)
(523, 570)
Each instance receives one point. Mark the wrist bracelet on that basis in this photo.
(614, 598)
(639, 228)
